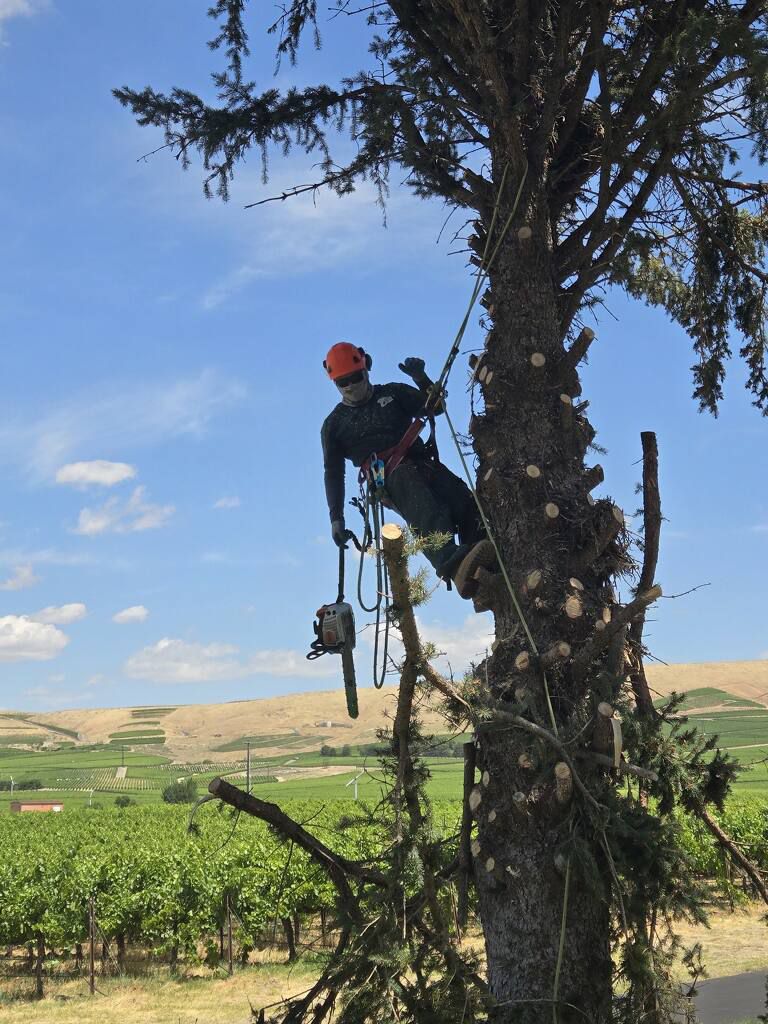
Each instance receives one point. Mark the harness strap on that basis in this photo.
(392, 457)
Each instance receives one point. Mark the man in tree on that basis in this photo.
(589, 144)
(369, 427)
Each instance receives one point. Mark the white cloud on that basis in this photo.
(458, 645)
(23, 577)
(233, 502)
(760, 528)
(97, 471)
(60, 616)
(177, 661)
(21, 639)
(138, 416)
(129, 516)
(309, 232)
(19, 9)
(57, 677)
(463, 644)
(136, 613)
(46, 697)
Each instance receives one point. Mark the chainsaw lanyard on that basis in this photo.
(372, 511)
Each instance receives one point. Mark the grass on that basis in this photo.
(136, 732)
(732, 945)
(289, 739)
(142, 740)
(710, 696)
(30, 739)
(194, 996)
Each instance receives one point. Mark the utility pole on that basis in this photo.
(248, 766)
(12, 787)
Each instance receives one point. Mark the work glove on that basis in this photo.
(413, 367)
(339, 533)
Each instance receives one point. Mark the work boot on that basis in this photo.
(480, 555)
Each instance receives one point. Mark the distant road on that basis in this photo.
(726, 1000)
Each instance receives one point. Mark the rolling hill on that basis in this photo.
(304, 721)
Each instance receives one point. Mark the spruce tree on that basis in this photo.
(597, 142)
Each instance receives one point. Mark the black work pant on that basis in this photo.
(432, 499)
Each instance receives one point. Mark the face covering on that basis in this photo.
(356, 394)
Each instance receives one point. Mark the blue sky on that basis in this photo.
(162, 391)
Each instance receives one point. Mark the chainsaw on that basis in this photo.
(335, 634)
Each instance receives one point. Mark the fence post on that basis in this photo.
(229, 937)
(91, 948)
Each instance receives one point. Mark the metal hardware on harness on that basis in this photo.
(335, 634)
(377, 472)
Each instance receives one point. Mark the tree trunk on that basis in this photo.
(78, 956)
(542, 523)
(289, 938)
(121, 952)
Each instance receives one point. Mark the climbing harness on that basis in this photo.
(335, 634)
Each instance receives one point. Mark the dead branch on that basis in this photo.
(651, 533)
(602, 639)
(337, 867)
(734, 852)
(465, 853)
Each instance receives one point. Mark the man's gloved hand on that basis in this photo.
(413, 367)
(339, 533)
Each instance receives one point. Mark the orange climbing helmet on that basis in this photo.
(344, 358)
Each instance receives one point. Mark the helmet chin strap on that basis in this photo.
(357, 394)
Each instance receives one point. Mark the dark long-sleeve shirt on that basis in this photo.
(355, 432)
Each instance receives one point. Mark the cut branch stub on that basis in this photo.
(524, 233)
(523, 661)
(602, 734)
(533, 580)
(594, 476)
(533, 472)
(575, 584)
(558, 652)
(563, 783)
(566, 412)
(577, 351)
(538, 359)
(574, 607)
(475, 799)
(551, 511)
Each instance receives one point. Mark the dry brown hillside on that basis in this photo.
(300, 721)
(305, 720)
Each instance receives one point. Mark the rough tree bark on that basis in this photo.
(521, 899)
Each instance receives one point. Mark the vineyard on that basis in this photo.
(161, 895)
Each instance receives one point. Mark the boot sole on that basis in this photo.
(482, 554)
